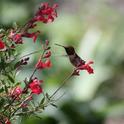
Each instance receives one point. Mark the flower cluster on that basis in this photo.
(16, 97)
(45, 13)
(35, 87)
(84, 66)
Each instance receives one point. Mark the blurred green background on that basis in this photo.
(96, 29)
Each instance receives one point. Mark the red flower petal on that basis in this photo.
(33, 35)
(35, 86)
(2, 44)
(46, 13)
(87, 67)
(39, 65)
(16, 92)
(47, 54)
(42, 65)
(16, 37)
(48, 63)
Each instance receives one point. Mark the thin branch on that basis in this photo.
(30, 54)
(63, 83)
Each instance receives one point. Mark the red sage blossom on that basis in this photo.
(2, 45)
(35, 87)
(16, 37)
(33, 35)
(86, 67)
(47, 54)
(16, 92)
(42, 65)
(45, 14)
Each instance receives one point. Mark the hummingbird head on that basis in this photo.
(69, 49)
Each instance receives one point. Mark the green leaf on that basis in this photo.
(38, 116)
(43, 107)
(2, 101)
(10, 78)
(6, 88)
(47, 96)
(1, 89)
(42, 101)
(54, 105)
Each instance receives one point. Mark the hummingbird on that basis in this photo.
(75, 60)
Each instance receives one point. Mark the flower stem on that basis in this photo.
(63, 83)
(30, 54)
(36, 68)
(7, 107)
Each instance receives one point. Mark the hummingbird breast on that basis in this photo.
(76, 60)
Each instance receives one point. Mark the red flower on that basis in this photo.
(87, 67)
(33, 35)
(7, 121)
(16, 37)
(46, 42)
(48, 63)
(47, 54)
(39, 65)
(35, 86)
(42, 65)
(16, 92)
(46, 13)
(2, 45)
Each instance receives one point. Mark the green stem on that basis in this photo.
(30, 54)
(36, 68)
(6, 108)
(63, 83)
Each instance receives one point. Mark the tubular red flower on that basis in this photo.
(33, 35)
(47, 54)
(39, 65)
(48, 63)
(42, 65)
(87, 67)
(16, 37)
(35, 86)
(16, 92)
(46, 13)
(2, 45)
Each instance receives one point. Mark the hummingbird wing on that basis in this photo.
(76, 60)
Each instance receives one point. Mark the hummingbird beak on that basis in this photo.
(59, 45)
